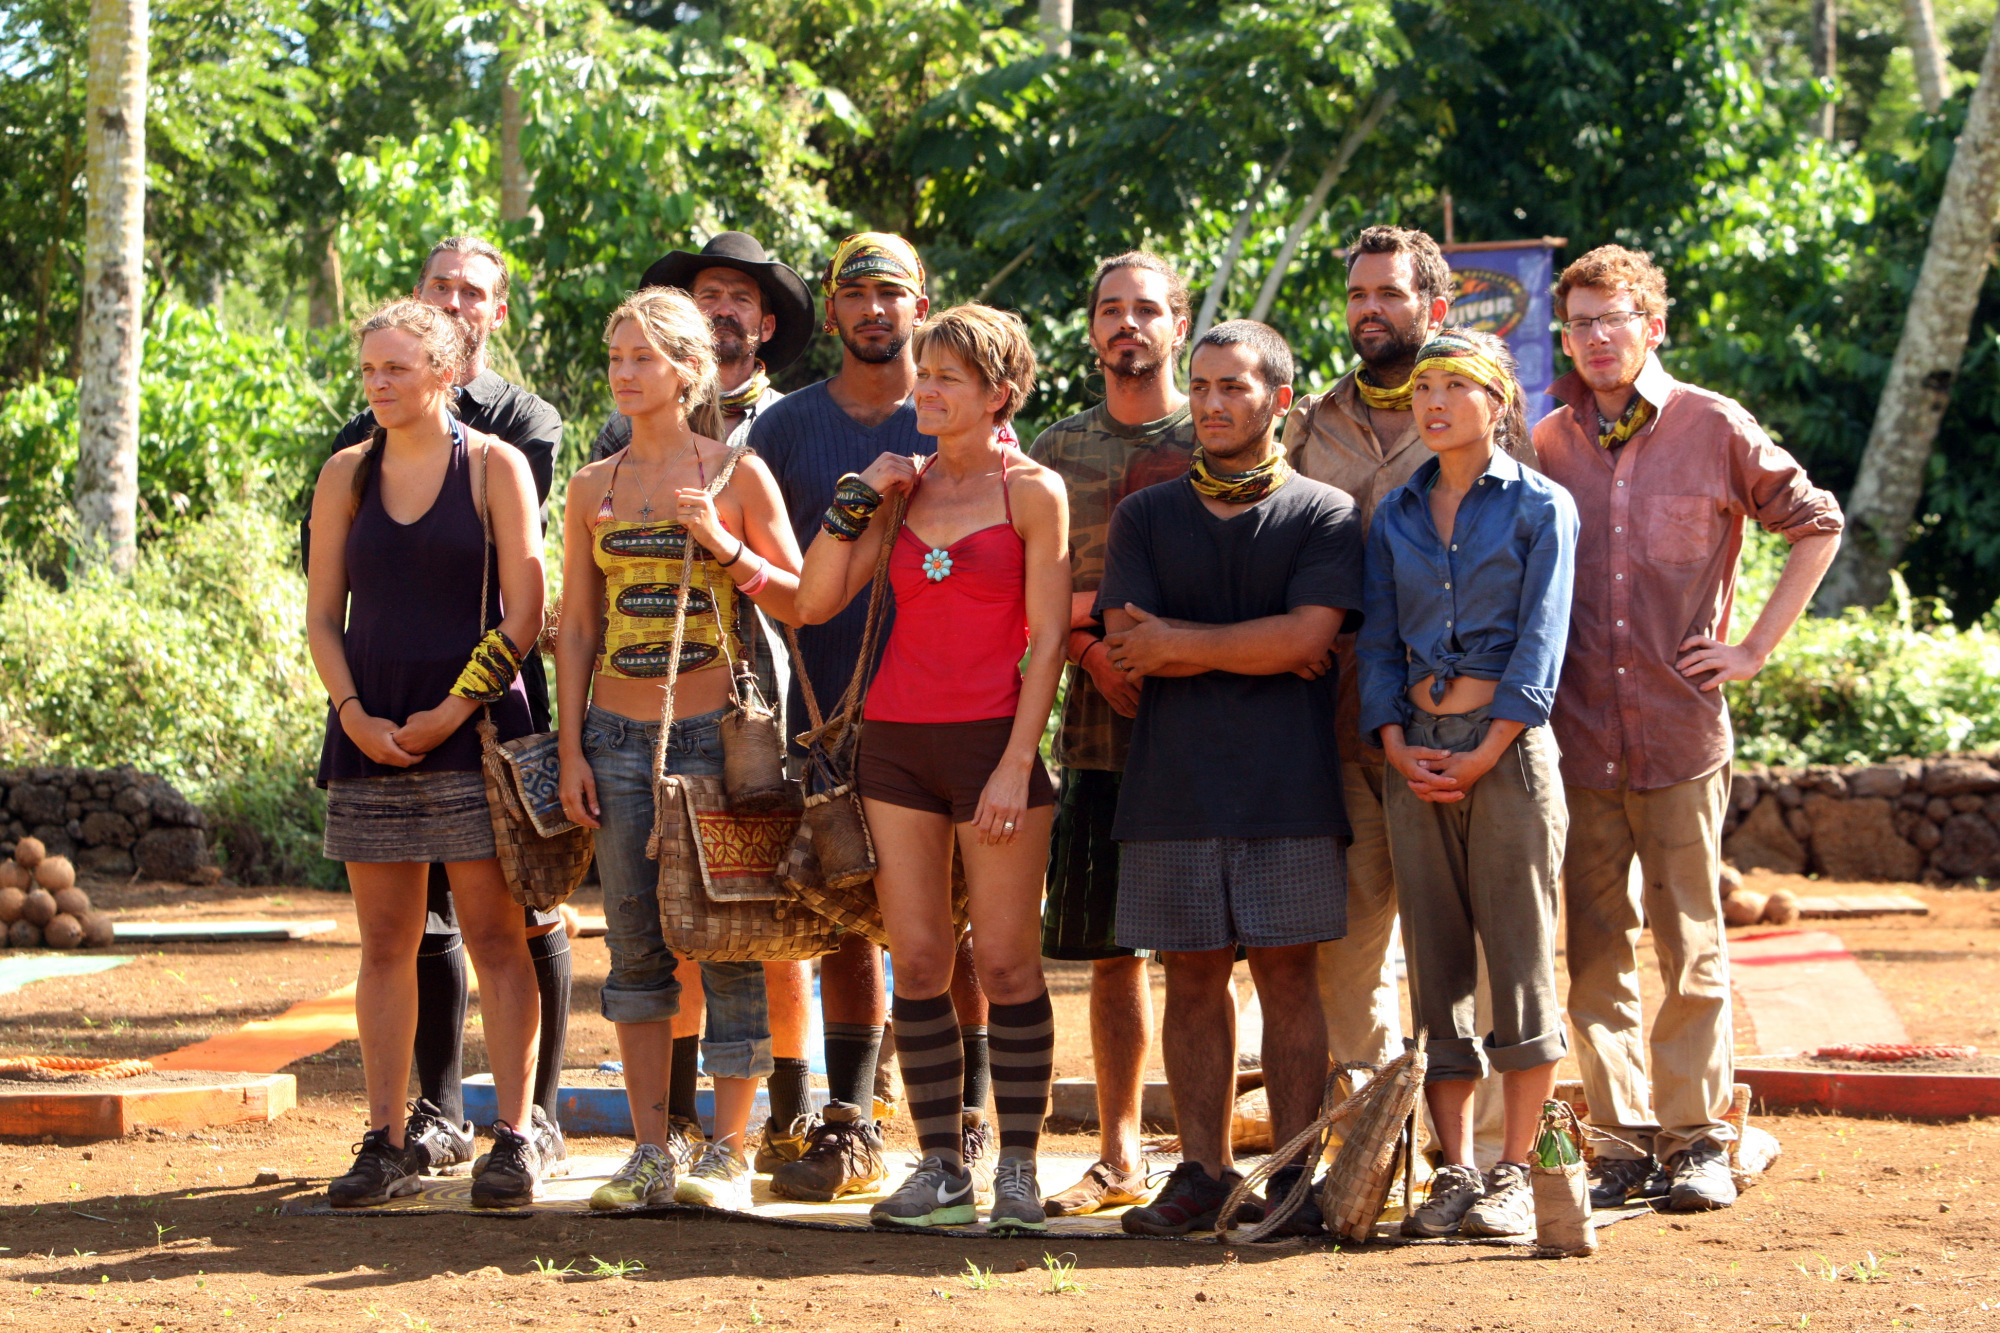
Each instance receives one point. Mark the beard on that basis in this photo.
(1255, 432)
(1398, 347)
(881, 354)
(475, 340)
(733, 343)
(1132, 364)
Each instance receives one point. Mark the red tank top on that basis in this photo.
(954, 653)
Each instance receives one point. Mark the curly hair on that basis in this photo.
(676, 328)
(1610, 267)
(993, 344)
(443, 339)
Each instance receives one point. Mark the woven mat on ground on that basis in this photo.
(570, 1194)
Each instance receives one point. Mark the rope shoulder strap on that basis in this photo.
(828, 730)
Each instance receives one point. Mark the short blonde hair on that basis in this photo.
(993, 344)
(677, 330)
(443, 339)
(1610, 267)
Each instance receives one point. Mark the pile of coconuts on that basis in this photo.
(40, 903)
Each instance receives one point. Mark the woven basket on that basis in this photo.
(853, 907)
(541, 872)
(735, 913)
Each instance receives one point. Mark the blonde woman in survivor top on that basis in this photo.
(625, 527)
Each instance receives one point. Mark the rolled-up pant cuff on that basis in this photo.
(1451, 1059)
(737, 1059)
(1543, 1050)
(655, 1004)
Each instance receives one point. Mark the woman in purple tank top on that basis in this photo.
(393, 616)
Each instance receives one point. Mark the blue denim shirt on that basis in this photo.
(1494, 606)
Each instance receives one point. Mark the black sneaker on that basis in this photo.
(1191, 1200)
(1613, 1180)
(1701, 1179)
(380, 1172)
(510, 1172)
(437, 1143)
(843, 1156)
(1307, 1220)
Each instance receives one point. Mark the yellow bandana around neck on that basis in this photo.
(1385, 400)
(739, 399)
(1630, 422)
(1239, 488)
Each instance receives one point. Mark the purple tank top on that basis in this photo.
(413, 620)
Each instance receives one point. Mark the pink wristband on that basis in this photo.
(753, 585)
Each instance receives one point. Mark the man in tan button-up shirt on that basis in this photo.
(1663, 475)
(1398, 290)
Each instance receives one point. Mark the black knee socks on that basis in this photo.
(1023, 1038)
(851, 1052)
(790, 1085)
(978, 1064)
(441, 1007)
(552, 977)
(686, 1069)
(933, 1059)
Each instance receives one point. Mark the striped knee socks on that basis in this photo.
(1022, 1039)
(933, 1059)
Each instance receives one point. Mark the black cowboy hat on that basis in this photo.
(785, 293)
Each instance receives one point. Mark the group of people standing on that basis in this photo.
(1378, 654)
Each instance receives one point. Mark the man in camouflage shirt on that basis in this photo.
(1139, 435)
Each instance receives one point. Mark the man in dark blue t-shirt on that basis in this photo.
(874, 295)
(1224, 591)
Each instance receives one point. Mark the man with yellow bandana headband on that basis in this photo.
(1360, 437)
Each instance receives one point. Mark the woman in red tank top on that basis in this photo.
(951, 742)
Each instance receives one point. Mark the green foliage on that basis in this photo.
(224, 415)
(403, 198)
(195, 668)
(1866, 686)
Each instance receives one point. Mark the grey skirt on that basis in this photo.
(409, 817)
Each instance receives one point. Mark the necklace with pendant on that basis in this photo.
(646, 500)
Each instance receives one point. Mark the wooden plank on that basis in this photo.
(1863, 904)
(1804, 990)
(269, 1044)
(1866, 1093)
(189, 932)
(105, 1112)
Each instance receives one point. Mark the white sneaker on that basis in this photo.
(721, 1179)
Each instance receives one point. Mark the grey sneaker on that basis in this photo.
(933, 1196)
(1614, 1180)
(721, 1179)
(647, 1177)
(1454, 1189)
(437, 1143)
(511, 1170)
(1507, 1208)
(975, 1149)
(686, 1142)
(1017, 1198)
(1701, 1179)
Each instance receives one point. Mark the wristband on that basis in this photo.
(753, 585)
(494, 664)
(343, 703)
(741, 545)
(854, 504)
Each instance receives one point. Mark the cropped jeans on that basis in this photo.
(642, 987)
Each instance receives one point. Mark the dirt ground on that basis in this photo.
(1863, 1223)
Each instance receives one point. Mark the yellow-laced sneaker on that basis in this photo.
(647, 1177)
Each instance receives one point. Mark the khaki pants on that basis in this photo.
(1357, 975)
(1676, 832)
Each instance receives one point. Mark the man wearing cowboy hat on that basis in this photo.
(762, 316)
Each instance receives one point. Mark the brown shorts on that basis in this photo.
(939, 766)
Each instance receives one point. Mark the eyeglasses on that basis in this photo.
(1612, 321)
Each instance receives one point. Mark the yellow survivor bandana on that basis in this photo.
(1384, 400)
(878, 255)
(1630, 422)
(1239, 488)
(1461, 356)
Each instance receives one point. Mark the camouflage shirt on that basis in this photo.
(1101, 461)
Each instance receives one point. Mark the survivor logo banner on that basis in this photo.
(1503, 289)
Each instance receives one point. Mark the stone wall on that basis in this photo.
(112, 822)
(1934, 820)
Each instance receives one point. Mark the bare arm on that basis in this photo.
(765, 530)
(1042, 519)
(326, 611)
(1300, 641)
(1805, 566)
(577, 642)
(835, 571)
